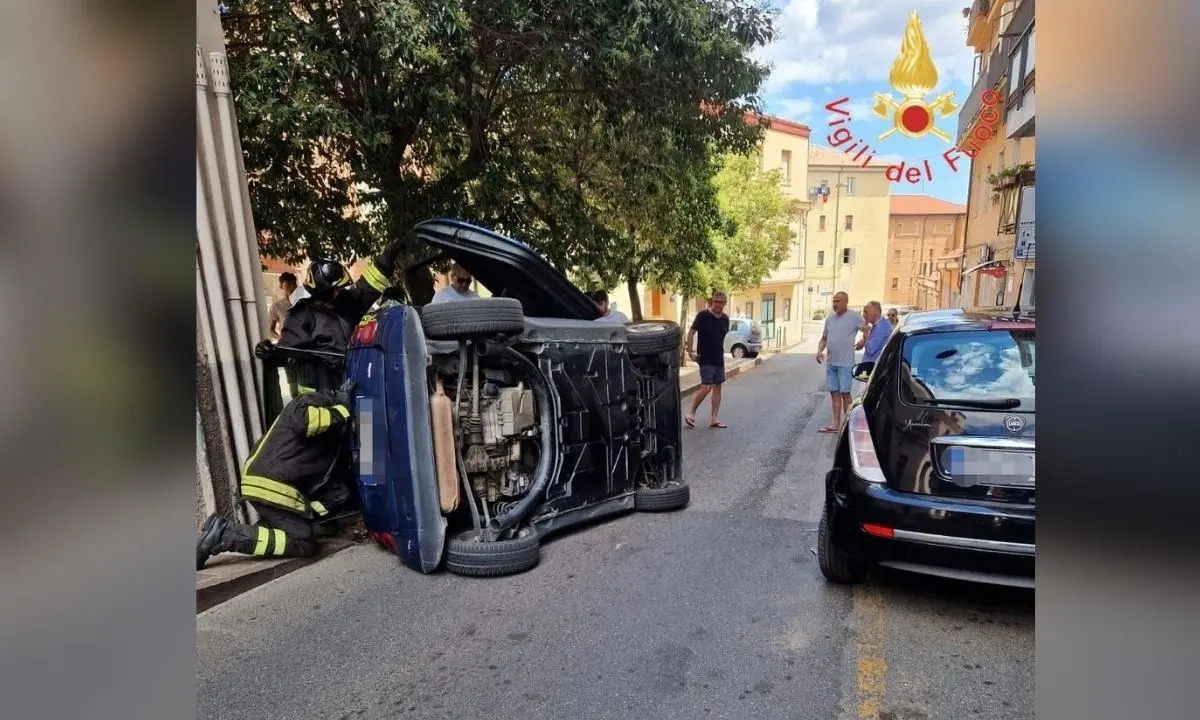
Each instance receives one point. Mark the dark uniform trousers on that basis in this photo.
(294, 460)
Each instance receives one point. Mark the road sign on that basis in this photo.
(1025, 226)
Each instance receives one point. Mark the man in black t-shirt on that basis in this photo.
(709, 329)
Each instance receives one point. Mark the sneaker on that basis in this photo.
(211, 534)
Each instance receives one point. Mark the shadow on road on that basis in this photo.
(903, 586)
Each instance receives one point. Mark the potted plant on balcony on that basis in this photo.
(1001, 178)
(1023, 174)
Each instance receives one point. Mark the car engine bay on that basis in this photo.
(495, 440)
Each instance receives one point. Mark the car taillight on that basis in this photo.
(862, 447)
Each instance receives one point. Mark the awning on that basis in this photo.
(980, 266)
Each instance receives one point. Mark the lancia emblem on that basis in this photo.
(1014, 424)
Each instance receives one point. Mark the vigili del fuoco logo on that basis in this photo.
(913, 113)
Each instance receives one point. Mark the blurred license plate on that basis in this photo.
(969, 466)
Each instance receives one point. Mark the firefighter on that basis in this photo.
(290, 478)
(325, 320)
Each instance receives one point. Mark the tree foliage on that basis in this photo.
(361, 117)
(757, 235)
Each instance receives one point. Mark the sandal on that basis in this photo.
(829, 429)
(690, 422)
(718, 425)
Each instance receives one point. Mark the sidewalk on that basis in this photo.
(229, 575)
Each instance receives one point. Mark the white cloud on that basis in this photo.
(798, 109)
(834, 41)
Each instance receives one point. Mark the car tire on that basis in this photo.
(738, 351)
(653, 338)
(471, 318)
(674, 496)
(836, 565)
(467, 555)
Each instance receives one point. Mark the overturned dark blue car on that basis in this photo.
(481, 426)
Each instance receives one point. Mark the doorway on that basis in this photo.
(767, 316)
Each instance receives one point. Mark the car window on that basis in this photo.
(734, 326)
(980, 365)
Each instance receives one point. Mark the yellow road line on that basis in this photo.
(871, 669)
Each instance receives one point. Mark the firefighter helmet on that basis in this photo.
(324, 275)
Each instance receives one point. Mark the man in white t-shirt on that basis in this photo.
(458, 289)
(608, 314)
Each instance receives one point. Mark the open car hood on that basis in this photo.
(509, 268)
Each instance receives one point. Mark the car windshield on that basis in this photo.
(977, 365)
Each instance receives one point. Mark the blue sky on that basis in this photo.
(830, 49)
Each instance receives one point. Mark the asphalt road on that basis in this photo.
(718, 611)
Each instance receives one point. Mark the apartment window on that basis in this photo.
(924, 269)
(787, 309)
(849, 222)
(1000, 160)
(895, 256)
(750, 310)
(785, 165)
(895, 283)
(847, 256)
(821, 223)
(849, 186)
(1029, 47)
(820, 258)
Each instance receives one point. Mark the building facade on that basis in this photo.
(847, 240)
(925, 243)
(996, 125)
(778, 300)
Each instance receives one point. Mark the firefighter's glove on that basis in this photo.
(342, 396)
(264, 349)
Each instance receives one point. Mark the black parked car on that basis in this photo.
(934, 468)
(482, 425)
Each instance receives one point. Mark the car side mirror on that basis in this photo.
(862, 371)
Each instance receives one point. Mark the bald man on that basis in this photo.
(841, 330)
(458, 289)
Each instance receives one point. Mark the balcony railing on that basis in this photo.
(997, 68)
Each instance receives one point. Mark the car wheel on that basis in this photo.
(738, 352)
(653, 338)
(471, 318)
(467, 554)
(672, 496)
(836, 565)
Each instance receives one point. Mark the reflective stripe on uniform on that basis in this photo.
(280, 539)
(375, 278)
(273, 492)
(342, 410)
(318, 507)
(319, 420)
(264, 536)
(302, 389)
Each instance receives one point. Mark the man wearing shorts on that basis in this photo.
(841, 329)
(709, 329)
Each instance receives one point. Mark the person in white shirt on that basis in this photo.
(608, 314)
(458, 289)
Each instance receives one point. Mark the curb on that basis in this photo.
(214, 590)
(733, 372)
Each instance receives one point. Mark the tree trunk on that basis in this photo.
(683, 312)
(635, 298)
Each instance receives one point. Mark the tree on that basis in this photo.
(360, 118)
(758, 235)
